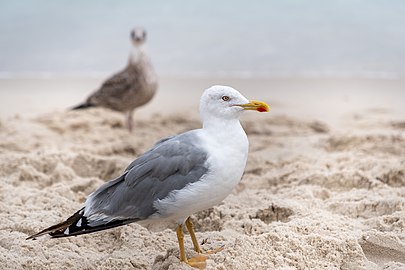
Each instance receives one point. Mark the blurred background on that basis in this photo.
(351, 52)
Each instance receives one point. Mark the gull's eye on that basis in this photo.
(225, 98)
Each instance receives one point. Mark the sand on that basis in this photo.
(316, 194)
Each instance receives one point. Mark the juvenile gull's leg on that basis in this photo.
(129, 121)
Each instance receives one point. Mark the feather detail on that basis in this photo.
(75, 225)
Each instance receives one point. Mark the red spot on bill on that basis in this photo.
(262, 109)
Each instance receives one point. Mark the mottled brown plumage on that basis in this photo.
(132, 87)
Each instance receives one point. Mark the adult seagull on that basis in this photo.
(179, 176)
(130, 88)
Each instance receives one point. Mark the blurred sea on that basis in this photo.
(262, 38)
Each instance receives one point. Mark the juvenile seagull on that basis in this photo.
(179, 176)
(132, 87)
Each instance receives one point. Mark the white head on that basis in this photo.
(224, 102)
(138, 36)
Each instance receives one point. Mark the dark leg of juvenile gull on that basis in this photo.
(129, 119)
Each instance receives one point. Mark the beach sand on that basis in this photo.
(324, 187)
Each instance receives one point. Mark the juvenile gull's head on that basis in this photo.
(138, 36)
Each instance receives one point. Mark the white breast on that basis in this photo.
(226, 163)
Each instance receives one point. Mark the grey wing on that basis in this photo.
(170, 165)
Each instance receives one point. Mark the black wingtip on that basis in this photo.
(71, 227)
(75, 230)
(60, 227)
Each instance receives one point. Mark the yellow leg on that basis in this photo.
(197, 248)
(196, 262)
(180, 238)
(190, 229)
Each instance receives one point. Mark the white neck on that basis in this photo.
(225, 129)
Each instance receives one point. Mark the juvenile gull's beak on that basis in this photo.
(255, 105)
